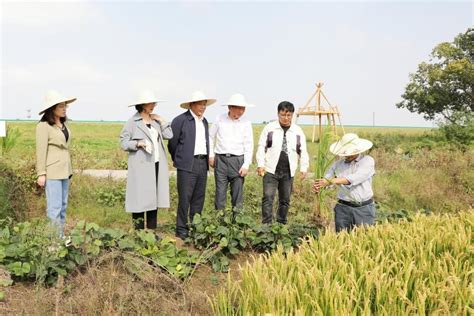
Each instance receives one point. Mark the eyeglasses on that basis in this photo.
(285, 115)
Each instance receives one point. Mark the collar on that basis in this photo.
(137, 116)
(230, 119)
(358, 158)
(291, 128)
(196, 117)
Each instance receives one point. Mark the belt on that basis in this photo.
(356, 204)
(229, 155)
(200, 156)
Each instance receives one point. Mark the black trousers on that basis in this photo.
(271, 182)
(139, 219)
(191, 194)
(151, 216)
(226, 171)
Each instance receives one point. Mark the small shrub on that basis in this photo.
(111, 195)
(8, 142)
(31, 250)
(227, 235)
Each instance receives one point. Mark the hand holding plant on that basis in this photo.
(319, 184)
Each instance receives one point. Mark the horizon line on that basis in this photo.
(253, 123)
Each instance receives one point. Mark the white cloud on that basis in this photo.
(47, 14)
(63, 70)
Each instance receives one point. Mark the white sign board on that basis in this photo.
(3, 131)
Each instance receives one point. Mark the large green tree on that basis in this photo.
(443, 87)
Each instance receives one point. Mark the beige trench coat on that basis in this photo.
(52, 152)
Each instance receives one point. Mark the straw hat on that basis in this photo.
(350, 144)
(238, 100)
(52, 98)
(144, 97)
(195, 97)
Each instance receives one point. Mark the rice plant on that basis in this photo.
(419, 267)
(324, 159)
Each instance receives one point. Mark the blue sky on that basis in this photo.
(104, 52)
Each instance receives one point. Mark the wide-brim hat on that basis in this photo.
(350, 144)
(196, 97)
(145, 97)
(52, 98)
(238, 100)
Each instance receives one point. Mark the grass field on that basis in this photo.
(417, 172)
(412, 172)
(96, 145)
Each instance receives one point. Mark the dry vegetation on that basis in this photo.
(416, 172)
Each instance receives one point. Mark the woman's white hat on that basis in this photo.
(238, 100)
(146, 96)
(197, 96)
(52, 98)
(350, 144)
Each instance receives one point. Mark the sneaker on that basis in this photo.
(67, 241)
(182, 236)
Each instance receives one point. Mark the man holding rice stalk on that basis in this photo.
(353, 176)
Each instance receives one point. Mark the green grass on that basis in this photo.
(96, 145)
(415, 170)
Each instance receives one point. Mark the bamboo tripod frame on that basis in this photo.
(318, 112)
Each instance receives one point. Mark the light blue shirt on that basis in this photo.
(359, 173)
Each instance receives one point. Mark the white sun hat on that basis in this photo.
(52, 98)
(238, 100)
(350, 144)
(197, 96)
(146, 96)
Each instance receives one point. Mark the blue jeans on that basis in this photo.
(56, 202)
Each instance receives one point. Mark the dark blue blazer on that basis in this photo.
(181, 146)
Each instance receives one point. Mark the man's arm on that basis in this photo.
(260, 156)
(248, 146)
(212, 141)
(176, 126)
(304, 157)
(365, 171)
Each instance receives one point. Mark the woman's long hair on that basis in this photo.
(48, 116)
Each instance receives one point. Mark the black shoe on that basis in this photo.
(182, 236)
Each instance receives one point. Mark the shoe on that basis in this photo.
(183, 237)
(67, 241)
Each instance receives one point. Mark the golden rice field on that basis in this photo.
(423, 267)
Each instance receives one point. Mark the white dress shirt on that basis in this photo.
(269, 158)
(200, 141)
(359, 173)
(228, 136)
